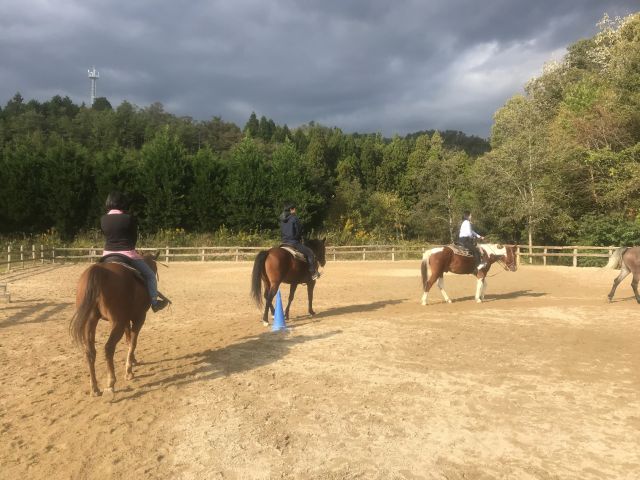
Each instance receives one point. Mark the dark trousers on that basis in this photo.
(470, 244)
(307, 252)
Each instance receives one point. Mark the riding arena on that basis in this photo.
(539, 380)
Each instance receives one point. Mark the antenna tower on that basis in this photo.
(94, 76)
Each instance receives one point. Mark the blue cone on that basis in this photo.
(278, 316)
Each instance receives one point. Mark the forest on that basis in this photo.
(561, 166)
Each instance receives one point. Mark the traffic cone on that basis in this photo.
(278, 316)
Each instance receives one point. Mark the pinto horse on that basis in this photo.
(443, 259)
(114, 292)
(628, 260)
(275, 266)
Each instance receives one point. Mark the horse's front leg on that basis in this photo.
(480, 289)
(310, 287)
(292, 292)
(623, 273)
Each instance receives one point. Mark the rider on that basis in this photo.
(467, 238)
(121, 233)
(291, 232)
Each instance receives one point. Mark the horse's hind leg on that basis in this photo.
(623, 273)
(634, 285)
(90, 352)
(428, 285)
(292, 292)
(117, 330)
(127, 336)
(133, 333)
(441, 287)
(269, 294)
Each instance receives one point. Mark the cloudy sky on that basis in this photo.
(389, 66)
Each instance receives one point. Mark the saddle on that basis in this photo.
(296, 254)
(465, 252)
(124, 261)
(460, 250)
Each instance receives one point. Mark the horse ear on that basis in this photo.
(500, 246)
(323, 239)
(155, 257)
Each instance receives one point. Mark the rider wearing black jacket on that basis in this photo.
(291, 232)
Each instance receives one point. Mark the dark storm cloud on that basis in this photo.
(393, 67)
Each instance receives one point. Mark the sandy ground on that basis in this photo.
(539, 382)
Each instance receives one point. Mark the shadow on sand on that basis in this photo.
(254, 352)
(502, 296)
(34, 313)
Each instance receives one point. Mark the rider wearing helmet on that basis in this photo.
(467, 238)
(291, 234)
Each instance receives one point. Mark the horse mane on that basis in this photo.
(497, 249)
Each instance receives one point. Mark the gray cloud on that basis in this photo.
(362, 65)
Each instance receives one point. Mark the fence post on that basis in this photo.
(518, 259)
(393, 254)
(575, 257)
(53, 254)
(33, 253)
(237, 256)
(544, 256)
(41, 253)
(202, 256)
(334, 254)
(8, 258)
(166, 253)
(22, 255)
(364, 253)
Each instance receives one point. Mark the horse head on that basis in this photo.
(510, 260)
(318, 248)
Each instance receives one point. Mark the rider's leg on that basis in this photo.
(310, 257)
(150, 279)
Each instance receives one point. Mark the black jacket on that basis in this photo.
(120, 231)
(290, 228)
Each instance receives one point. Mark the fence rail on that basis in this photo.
(21, 255)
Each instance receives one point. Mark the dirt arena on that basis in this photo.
(539, 382)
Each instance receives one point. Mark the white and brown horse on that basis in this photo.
(437, 261)
(627, 259)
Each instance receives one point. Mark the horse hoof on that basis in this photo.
(311, 312)
(109, 393)
(96, 393)
(129, 376)
(265, 323)
(478, 301)
(423, 303)
(449, 301)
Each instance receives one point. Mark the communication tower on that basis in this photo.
(94, 76)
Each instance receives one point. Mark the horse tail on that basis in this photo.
(616, 258)
(424, 269)
(256, 276)
(86, 309)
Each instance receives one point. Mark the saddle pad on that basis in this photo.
(296, 254)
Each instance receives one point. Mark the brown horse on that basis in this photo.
(628, 260)
(114, 292)
(443, 259)
(275, 266)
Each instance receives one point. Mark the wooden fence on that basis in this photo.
(30, 255)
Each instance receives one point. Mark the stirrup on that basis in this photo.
(315, 276)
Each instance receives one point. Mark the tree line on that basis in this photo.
(562, 165)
